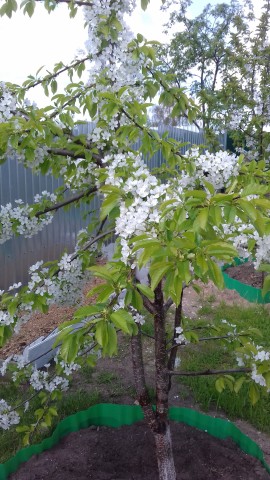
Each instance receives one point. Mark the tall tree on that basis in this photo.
(222, 56)
(177, 228)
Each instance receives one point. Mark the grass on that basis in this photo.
(10, 440)
(210, 355)
(107, 378)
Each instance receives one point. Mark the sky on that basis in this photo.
(27, 44)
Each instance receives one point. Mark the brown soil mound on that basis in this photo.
(246, 274)
(128, 453)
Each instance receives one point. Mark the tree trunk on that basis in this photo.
(165, 460)
(139, 378)
(162, 431)
(158, 420)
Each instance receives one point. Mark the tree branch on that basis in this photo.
(167, 305)
(66, 202)
(211, 372)
(50, 76)
(177, 323)
(64, 152)
(81, 3)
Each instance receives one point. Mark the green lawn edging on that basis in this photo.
(113, 415)
(252, 294)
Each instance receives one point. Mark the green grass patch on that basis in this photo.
(106, 378)
(212, 355)
(11, 441)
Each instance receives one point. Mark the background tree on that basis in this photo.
(226, 68)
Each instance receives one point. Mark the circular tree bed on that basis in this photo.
(128, 453)
(246, 273)
(247, 281)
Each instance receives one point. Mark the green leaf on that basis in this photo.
(215, 274)
(88, 310)
(146, 254)
(111, 347)
(238, 384)
(22, 429)
(178, 286)
(53, 412)
(146, 243)
(157, 272)
(137, 301)
(220, 384)
(201, 262)
(219, 249)
(248, 208)
(109, 203)
(254, 393)
(101, 271)
(29, 7)
(266, 285)
(255, 189)
(123, 320)
(201, 220)
(209, 187)
(146, 291)
(101, 333)
(26, 439)
(69, 348)
(106, 292)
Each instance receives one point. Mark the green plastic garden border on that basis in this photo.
(252, 294)
(112, 415)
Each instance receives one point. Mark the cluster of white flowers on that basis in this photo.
(116, 59)
(77, 173)
(180, 339)
(216, 168)
(68, 368)
(240, 233)
(138, 318)
(45, 196)
(40, 380)
(112, 58)
(40, 154)
(63, 288)
(8, 417)
(6, 318)
(4, 365)
(255, 360)
(7, 103)
(142, 214)
(262, 254)
(18, 220)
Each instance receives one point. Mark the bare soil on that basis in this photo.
(41, 324)
(128, 453)
(246, 274)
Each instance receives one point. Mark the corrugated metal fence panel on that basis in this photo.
(19, 253)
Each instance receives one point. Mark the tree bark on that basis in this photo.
(164, 453)
(158, 420)
(162, 432)
(139, 378)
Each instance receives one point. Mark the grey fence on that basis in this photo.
(19, 253)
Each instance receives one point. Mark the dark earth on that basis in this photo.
(246, 274)
(127, 453)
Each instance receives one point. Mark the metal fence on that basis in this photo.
(19, 253)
